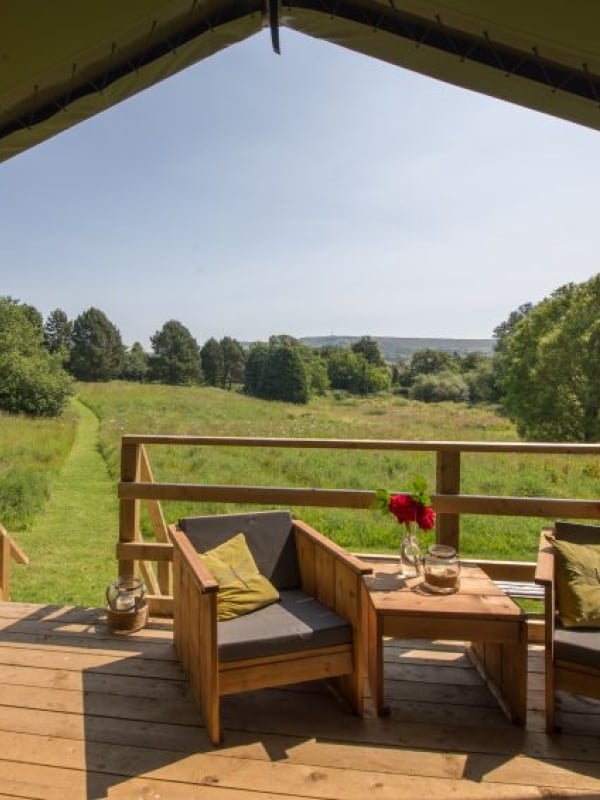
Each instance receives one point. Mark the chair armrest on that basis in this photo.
(544, 570)
(197, 570)
(195, 627)
(334, 550)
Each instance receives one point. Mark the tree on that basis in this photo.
(176, 358)
(58, 330)
(277, 372)
(550, 366)
(211, 356)
(351, 372)
(316, 371)
(284, 376)
(343, 368)
(255, 363)
(369, 349)
(428, 361)
(136, 364)
(97, 351)
(234, 361)
(503, 331)
(482, 382)
(32, 381)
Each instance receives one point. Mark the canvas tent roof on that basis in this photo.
(66, 60)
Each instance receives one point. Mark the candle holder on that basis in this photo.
(127, 607)
(441, 570)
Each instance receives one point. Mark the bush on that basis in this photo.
(32, 380)
(439, 387)
(37, 386)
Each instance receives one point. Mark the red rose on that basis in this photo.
(425, 517)
(403, 507)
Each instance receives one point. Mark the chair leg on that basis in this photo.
(213, 723)
(550, 699)
(205, 689)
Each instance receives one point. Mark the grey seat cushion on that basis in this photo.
(269, 536)
(581, 646)
(297, 622)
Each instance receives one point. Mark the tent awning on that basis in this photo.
(62, 62)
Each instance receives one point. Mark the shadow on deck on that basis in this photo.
(88, 714)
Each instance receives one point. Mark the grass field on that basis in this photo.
(131, 408)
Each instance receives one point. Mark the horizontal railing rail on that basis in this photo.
(137, 484)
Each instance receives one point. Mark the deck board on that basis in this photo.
(88, 714)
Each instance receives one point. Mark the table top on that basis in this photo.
(477, 598)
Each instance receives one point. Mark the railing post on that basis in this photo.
(447, 481)
(4, 565)
(129, 510)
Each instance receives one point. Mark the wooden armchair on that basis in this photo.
(572, 655)
(315, 630)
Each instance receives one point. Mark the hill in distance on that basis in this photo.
(398, 349)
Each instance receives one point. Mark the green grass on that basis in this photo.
(31, 454)
(158, 409)
(71, 544)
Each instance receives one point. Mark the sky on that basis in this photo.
(320, 192)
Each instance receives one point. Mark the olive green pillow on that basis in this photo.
(241, 586)
(577, 583)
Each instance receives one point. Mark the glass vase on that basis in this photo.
(410, 554)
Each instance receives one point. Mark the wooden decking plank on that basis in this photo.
(162, 651)
(88, 712)
(91, 681)
(258, 713)
(40, 782)
(427, 673)
(144, 709)
(254, 725)
(397, 692)
(138, 789)
(113, 663)
(418, 655)
(302, 777)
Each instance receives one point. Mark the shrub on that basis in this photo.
(439, 387)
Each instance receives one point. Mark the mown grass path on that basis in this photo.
(71, 544)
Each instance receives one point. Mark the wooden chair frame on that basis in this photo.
(568, 676)
(327, 572)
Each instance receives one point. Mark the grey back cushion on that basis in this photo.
(577, 532)
(269, 536)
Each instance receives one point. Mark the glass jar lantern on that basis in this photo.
(441, 569)
(126, 594)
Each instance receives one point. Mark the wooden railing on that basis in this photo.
(9, 549)
(137, 485)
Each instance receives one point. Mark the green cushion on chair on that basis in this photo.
(242, 588)
(577, 583)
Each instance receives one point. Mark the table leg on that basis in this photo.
(503, 666)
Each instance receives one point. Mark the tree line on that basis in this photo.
(544, 373)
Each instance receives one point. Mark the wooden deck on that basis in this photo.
(88, 714)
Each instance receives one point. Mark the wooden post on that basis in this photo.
(4, 565)
(129, 509)
(448, 482)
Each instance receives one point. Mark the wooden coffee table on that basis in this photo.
(479, 613)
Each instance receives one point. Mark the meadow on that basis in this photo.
(132, 408)
(125, 408)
